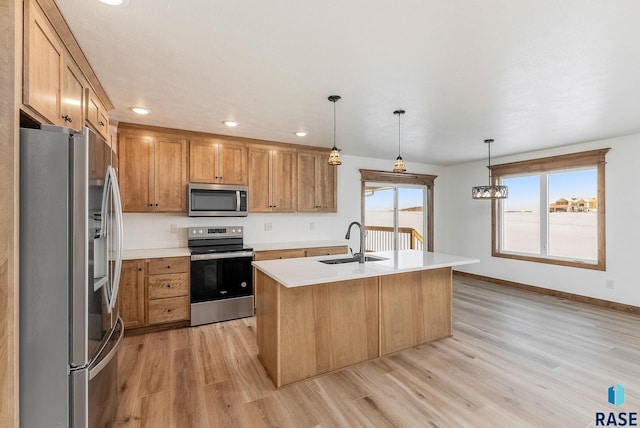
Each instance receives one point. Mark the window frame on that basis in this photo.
(551, 164)
(393, 178)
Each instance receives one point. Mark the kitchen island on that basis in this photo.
(313, 317)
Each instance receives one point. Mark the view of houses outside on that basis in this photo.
(571, 217)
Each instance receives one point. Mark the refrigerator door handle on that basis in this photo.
(119, 234)
(95, 370)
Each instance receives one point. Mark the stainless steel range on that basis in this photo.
(221, 274)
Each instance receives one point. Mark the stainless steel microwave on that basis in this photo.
(217, 200)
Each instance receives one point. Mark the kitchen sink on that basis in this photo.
(351, 260)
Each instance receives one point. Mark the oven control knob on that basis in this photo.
(243, 284)
(200, 231)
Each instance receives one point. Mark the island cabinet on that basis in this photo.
(154, 293)
(306, 331)
(313, 317)
(317, 182)
(153, 171)
(272, 179)
(215, 160)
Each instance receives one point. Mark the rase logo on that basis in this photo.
(615, 396)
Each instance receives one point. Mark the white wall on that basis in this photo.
(469, 224)
(156, 231)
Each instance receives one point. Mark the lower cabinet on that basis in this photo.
(299, 252)
(154, 292)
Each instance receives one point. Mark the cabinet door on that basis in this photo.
(96, 114)
(283, 180)
(307, 165)
(131, 293)
(136, 173)
(232, 163)
(259, 184)
(326, 185)
(72, 102)
(170, 174)
(203, 161)
(42, 64)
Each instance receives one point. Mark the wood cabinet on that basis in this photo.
(154, 292)
(97, 116)
(291, 253)
(42, 64)
(131, 293)
(317, 182)
(54, 87)
(72, 100)
(272, 179)
(153, 172)
(216, 160)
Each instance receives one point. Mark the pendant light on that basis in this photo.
(334, 156)
(399, 165)
(492, 191)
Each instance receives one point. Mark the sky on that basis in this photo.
(524, 192)
(382, 200)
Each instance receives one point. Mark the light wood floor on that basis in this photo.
(516, 359)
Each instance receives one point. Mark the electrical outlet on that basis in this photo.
(312, 226)
(267, 227)
(610, 284)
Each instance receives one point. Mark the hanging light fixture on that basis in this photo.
(399, 165)
(334, 156)
(492, 191)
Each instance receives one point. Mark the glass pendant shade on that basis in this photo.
(399, 165)
(492, 191)
(334, 156)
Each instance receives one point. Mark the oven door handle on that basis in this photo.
(215, 256)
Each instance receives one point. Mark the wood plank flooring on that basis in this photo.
(516, 359)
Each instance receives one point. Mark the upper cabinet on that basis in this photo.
(317, 182)
(272, 179)
(42, 64)
(97, 116)
(215, 160)
(54, 89)
(153, 171)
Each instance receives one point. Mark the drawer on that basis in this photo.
(168, 285)
(327, 251)
(279, 254)
(168, 265)
(168, 310)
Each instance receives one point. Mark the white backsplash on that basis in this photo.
(144, 231)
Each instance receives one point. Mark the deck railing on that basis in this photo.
(380, 238)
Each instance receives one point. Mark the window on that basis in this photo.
(397, 210)
(555, 212)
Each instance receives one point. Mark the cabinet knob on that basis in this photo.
(168, 310)
(67, 118)
(150, 205)
(101, 123)
(168, 285)
(140, 269)
(169, 267)
(156, 205)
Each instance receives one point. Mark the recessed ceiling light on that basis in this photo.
(140, 110)
(115, 2)
(230, 123)
(301, 134)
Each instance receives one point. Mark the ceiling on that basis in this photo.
(532, 74)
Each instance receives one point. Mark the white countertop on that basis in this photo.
(308, 270)
(155, 253)
(270, 246)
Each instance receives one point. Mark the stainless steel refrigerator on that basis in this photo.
(70, 261)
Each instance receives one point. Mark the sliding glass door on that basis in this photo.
(394, 216)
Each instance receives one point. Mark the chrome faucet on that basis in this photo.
(359, 255)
